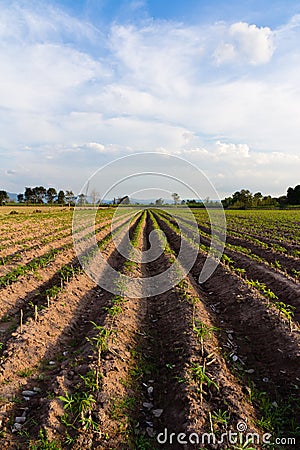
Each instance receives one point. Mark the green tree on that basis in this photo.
(159, 202)
(50, 195)
(293, 195)
(70, 197)
(39, 193)
(61, 198)
(3, 197)
(242, 199)
(29, 195)
(20, 198)
(81, 199)
(257, 198)
(176, 198)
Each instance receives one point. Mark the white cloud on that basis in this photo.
(96, 146)
(225, 53)
(253, 43)
(232, 150)
(222, 94)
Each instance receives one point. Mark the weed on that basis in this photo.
(43, 443)
(78, 407)
(202, 330)
(26, 373)
(202, 378)
(221, 417)
(100, 343)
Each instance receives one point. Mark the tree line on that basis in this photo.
(39, 195)
(243, 199)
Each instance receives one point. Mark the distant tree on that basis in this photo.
(293, 195)
(269, 201)
(159, 202)
(20, 198)
(29, 195)
(61, 198)
(70, 198)
(3, 197)
(183, 202)
(176, 198)
(282, 201)
(242, 199)
(81, 199)
(50, 195)
(39, 194)
(257, 198)
(95, 196)
(195, 203)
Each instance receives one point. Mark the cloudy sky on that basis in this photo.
(215, 82)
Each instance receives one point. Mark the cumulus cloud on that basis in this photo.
(96, 146)
(246, 43)
(222, 94)
(233, 150)
(232, 166)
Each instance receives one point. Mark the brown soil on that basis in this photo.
(149, 367)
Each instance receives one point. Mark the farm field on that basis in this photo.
(83, 368)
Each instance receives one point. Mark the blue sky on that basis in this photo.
(215, 82)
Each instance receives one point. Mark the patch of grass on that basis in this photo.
(44, 444)
(26, 373)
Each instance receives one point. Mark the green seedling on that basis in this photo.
(43, 443)
(100, 343)
(78, 407)
(202, 378)
(221, 417)
(202, 331)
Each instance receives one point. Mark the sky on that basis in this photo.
(214, 82)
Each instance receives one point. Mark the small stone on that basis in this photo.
(150, 390)
(235, 358)
(157, 412)
(249, 371)
(266, 380)
(28, 393)
(51, 363)
(147, 405)
(230, 336)
(17, 427)
(150, 381)
(65, 353)
(20, 419)
(27, 399)
(37, 389)
(150, 432)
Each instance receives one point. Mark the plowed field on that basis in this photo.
(212, 365)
